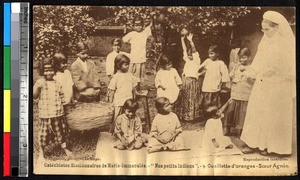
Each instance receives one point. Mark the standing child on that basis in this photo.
(110, 59)
(240, 92)
(166, 129)
(167, 81)
(213, 138)
(215, 79)
(128, 127)
(190, 97)
(86, 78)
(122, 85)
(53, 126)
(64, 77)
(137, 40)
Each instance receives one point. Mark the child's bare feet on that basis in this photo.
(216, 144)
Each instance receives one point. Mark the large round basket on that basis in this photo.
(86, 116)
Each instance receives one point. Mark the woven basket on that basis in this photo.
(86, 116)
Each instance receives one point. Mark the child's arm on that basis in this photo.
(118, 131)
(76, 76)
(190, 38)
(127, 38)
(177, 79)
(158, 83)
(37, 88)
(111, 89)
(178, 127)
(138, 127)
(224, 73)
(96, 76)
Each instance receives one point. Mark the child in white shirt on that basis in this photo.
(137, 40)
(215, 79)
(110, 59)
(167, 81)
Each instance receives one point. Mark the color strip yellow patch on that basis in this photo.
(6, 121)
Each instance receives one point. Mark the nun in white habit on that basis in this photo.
(269, 117)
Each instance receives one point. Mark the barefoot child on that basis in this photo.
(167, 81)
(128, 127)
(53, 126)
(166, 129)
(215, 79)
(122, 85)
(240, 92)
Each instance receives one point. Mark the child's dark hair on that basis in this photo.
(210, 112)
(164, 60)
(58, 59)
(244, 52)
(120, 60)
(138, 18)
(46, 61)
(214, 48)
(118, 40)
(130, 104)
(81, 46)
(160, 103)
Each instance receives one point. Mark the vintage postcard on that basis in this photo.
(164, 90)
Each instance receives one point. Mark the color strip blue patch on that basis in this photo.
(6, 24)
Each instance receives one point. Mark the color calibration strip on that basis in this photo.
(16, 89)
(7, 90)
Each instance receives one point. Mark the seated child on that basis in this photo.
(166, 129)
(128, 128)
(213, 138)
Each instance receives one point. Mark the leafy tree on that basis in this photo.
(59, 28)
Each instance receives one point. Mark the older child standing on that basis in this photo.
(216, 77)
(166, 129)
(190, 97)
(128, 127)
(122, 85)
(167, 81)
(240, 92)
(53, 126)
(137, 40)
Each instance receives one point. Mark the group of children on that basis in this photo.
(126, 72)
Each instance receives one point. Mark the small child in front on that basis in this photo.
(213, 138)
(128, 127)
(166, 129)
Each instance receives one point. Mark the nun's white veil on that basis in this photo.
(277, 52)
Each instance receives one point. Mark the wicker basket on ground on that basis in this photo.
(86, 116)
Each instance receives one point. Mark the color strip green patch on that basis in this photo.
(7, 64)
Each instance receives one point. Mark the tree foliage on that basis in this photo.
(59, 28)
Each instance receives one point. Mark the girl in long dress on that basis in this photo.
(269, 117)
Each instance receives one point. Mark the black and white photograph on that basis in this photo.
(164, 90)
